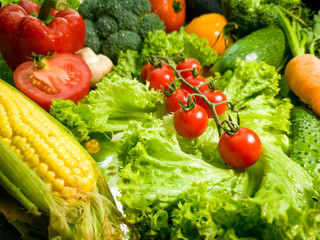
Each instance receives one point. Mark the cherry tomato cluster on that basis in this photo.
(194, 103)
(193, 122)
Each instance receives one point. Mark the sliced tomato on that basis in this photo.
(65, 76)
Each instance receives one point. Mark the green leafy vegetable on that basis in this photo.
(251, 15)
(254, 87)
(159, 43)
(181, 189)
(109, 108)
(179, 42)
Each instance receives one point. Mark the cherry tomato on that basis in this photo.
(147, 68)
(210, 26)
(189, 63)
(160, 77)
(172, 101)
(192, 123)
(214, 97)
(240, 150)
(145, 71)
(65, 76)
(171, 12)
(195, 81)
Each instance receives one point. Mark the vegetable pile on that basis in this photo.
(159, 123)
(114, 26)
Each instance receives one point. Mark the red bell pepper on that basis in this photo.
(26, 27)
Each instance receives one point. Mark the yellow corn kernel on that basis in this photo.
(35, 161)
(58, 185)
(68, 191)
(49, 176)
(56, 165)
(85, 168)
(42, 169)
(64, 172)
(85, 184)
(77, 171)
(73, 181)
(29, 153)
(71, 163)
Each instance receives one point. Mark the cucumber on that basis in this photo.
(266, 44)
(305, 148)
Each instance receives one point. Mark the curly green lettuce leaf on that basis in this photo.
(109, 108)
(168, 194)
(282, 208)
(255, 87)
(160, 43)
(157, 173)
(179, 42)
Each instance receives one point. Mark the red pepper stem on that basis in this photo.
(46, 7)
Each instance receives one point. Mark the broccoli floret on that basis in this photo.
(125, 18)
(87, 9)
(120, 42)
(92, 40)
(127, 4)
(141, 7)
(251, 15)
(149, 22)
(107, 7)
(105, 26)
(119, 24)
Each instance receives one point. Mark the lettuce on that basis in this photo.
(109, 108)
(167, 193)
(179, 42)
(254, 88)
(175, 188)
(159, 43)
(157, 173)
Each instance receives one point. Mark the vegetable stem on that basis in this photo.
(296, 46)
(46, 7)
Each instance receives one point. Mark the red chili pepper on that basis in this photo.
(27, 28)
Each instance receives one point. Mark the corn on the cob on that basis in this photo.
(30, 136)
(41, 145)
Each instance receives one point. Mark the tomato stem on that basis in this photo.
(38, 58)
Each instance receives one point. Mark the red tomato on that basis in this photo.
(147, 68)
(189, 63)
(160, 77)
(65, 76)
(195, 81)
(145, 71)
(192, 123)
(214, 97)
(240, 150)
(171, 12)
(172, 101)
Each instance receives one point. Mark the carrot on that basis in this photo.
(302, 74)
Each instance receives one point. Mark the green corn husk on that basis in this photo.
(91, 216)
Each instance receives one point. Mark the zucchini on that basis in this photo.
(266, 44)
(305, 148)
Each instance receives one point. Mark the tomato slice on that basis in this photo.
(65, 76)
